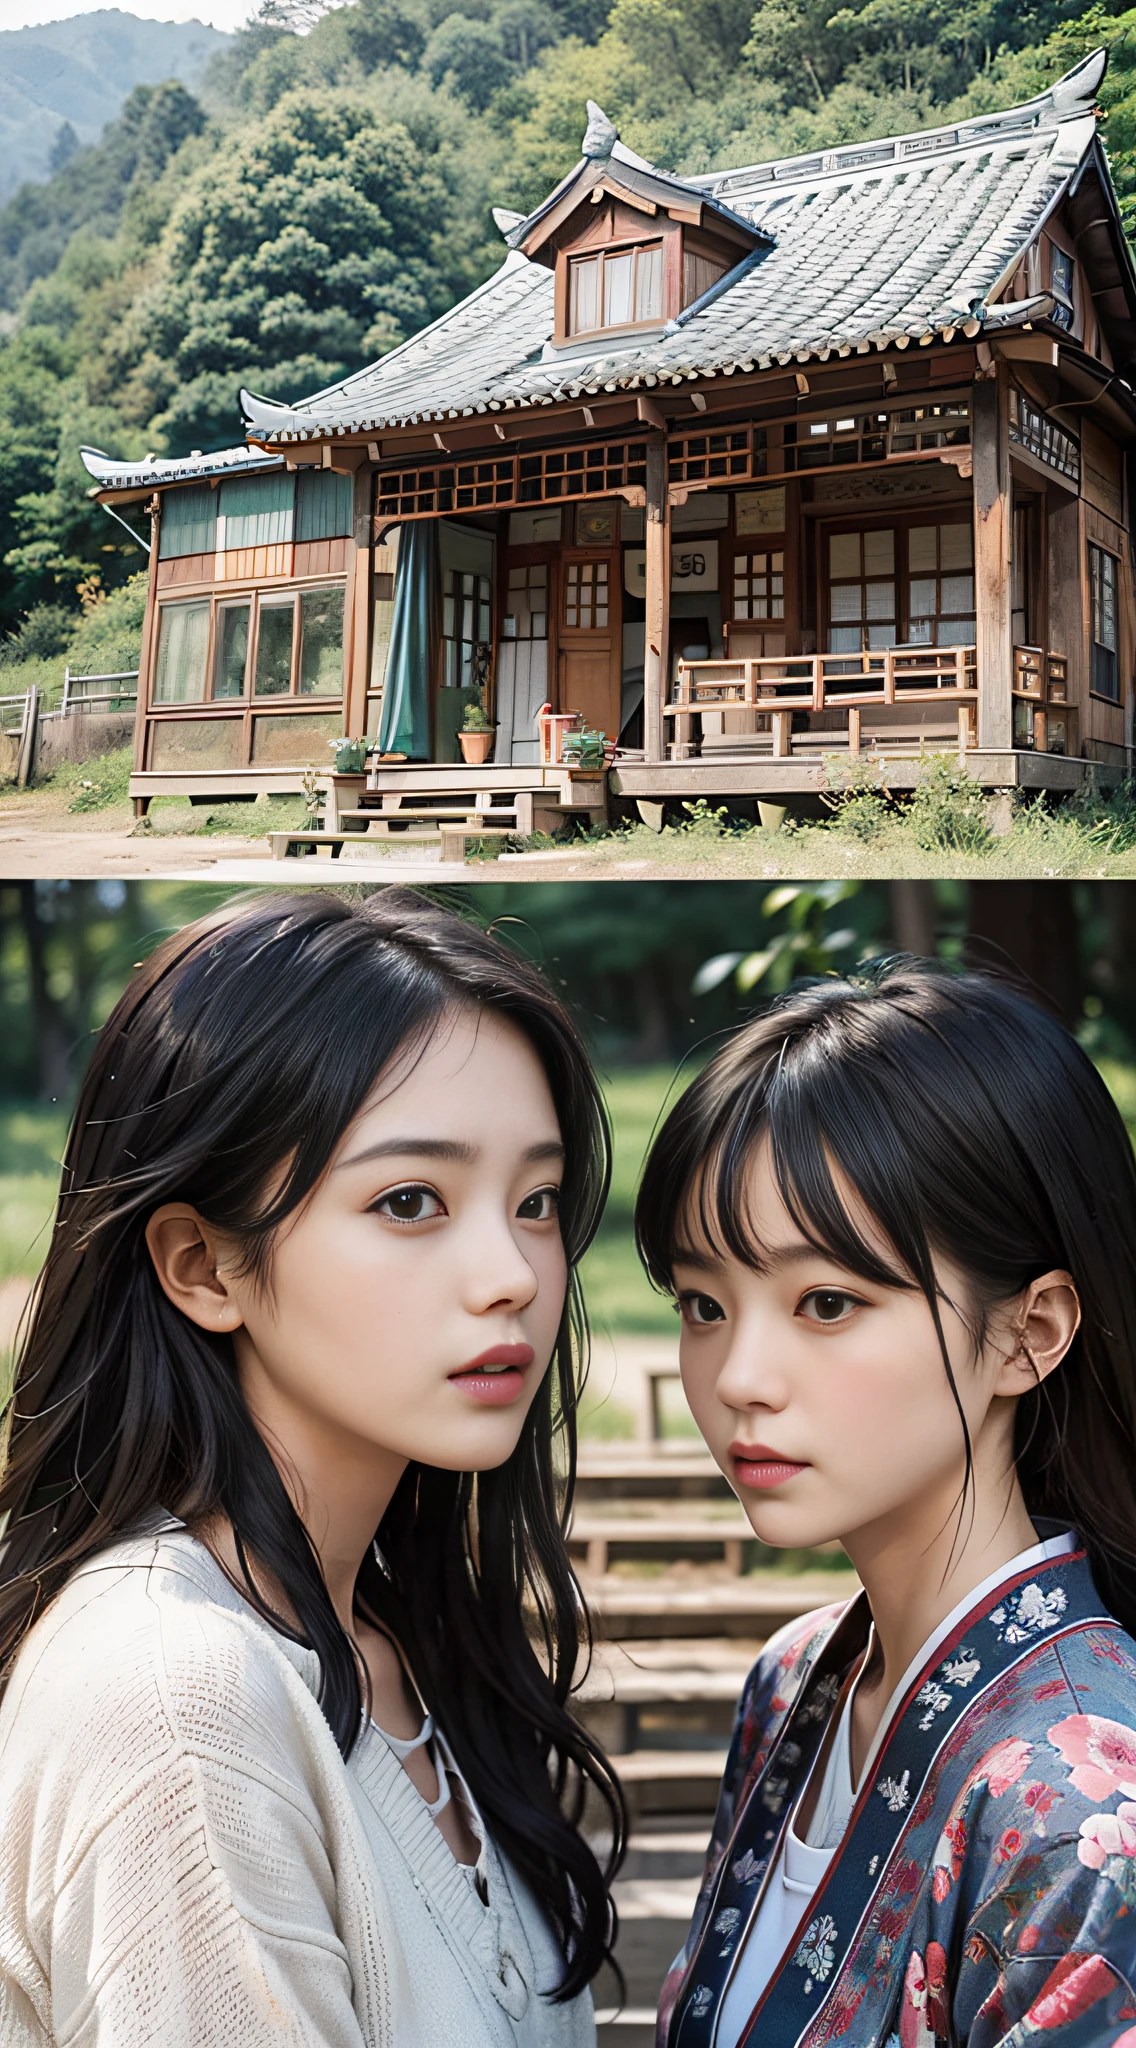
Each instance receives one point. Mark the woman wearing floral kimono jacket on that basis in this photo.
(899, 1219)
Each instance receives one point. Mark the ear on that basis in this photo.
(1039, 1332)
(184, 1253)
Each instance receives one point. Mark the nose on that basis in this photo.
(750, 1376)
(497, 1273)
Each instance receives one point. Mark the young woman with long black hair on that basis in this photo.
(898, 1215)
(287, 1628)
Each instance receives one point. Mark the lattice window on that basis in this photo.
(921, 427)
(586, 595)
(1033, 429)
(759, 586)
(736, 452)
(543, 477)
(553, 473)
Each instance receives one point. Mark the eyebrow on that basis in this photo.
(452, 1150)
(773, 1261)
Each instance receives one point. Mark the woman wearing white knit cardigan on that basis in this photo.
(287, 1628)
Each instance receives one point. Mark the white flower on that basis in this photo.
(896, 1796)
(961, 1669)
(934, 1699)
(747, 1869)
(701, 2002)
(817, 1952)
(1029, 1612)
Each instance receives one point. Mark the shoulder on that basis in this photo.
(785, 1661)
(146, 1654)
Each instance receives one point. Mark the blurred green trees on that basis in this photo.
(328, 192)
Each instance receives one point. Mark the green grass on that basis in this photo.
(616, 1289)
(32, 1137)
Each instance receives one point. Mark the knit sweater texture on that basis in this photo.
(186, 1861)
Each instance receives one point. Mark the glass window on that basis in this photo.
(257, 510)
(526, 617)
(584, 307)
(183, 645)
(1105, 669)
(232, 650)
(759, 586)
(940, 587)
(274, 648)
(323, 505)
(467, 612)
(1061, 277)
(861, 590)
(616, 288)
(586, 595)
(321, 643)
(188, 525)
(649, 283)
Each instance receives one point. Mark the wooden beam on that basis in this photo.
(658, 600)
(993, 537)
(357, 611)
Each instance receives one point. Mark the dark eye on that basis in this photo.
(829, 1305)
(540, 1207)
(410, 1205)
(702, 1308)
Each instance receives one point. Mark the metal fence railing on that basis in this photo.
(81, 692)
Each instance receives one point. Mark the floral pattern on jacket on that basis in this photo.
(1005, 1914)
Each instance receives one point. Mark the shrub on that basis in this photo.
(43, 634)
(948, 812)
(861, 806)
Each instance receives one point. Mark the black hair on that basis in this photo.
(971, 1125)
(225, 1077)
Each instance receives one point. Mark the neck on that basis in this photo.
(340, 1486)
(916, 1567)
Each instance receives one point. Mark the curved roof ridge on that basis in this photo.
(1069, 98)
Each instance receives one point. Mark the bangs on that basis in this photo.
(837, 1141)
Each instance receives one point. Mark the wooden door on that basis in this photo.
(522, 663)
(589, 660)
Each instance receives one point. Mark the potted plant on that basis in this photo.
(349, 756)
(476, 735)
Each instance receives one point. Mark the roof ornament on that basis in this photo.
(505, 220)
(1075, 93)
(600, 135)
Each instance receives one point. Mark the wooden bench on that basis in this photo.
(452, 839)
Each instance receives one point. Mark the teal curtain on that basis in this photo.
(415, 627)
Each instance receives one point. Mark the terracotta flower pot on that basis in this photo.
(477, 746)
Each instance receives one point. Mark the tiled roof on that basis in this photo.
(110, 475)
(874, 244)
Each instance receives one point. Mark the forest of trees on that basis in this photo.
(327, 192)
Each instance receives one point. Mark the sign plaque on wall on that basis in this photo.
(760, 511)
(694, 566)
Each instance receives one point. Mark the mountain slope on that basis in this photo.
(81, 71)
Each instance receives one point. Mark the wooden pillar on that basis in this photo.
(147, 660)
(658, 600)
(357, 610)
(993, 539)
(1068, 604)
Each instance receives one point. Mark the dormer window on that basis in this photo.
(615, 288)
(630, 247)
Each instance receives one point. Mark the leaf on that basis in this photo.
(756, 964)
(713, 972)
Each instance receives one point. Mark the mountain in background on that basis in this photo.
(79, 72)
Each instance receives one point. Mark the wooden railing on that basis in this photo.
(774, 687)
(778, 685)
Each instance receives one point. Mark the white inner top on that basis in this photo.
(801, 1863)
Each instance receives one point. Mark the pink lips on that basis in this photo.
(761, 1468)
(496, 1376)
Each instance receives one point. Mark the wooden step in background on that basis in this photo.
(677, 1631)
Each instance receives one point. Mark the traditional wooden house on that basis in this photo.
(823, 456)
